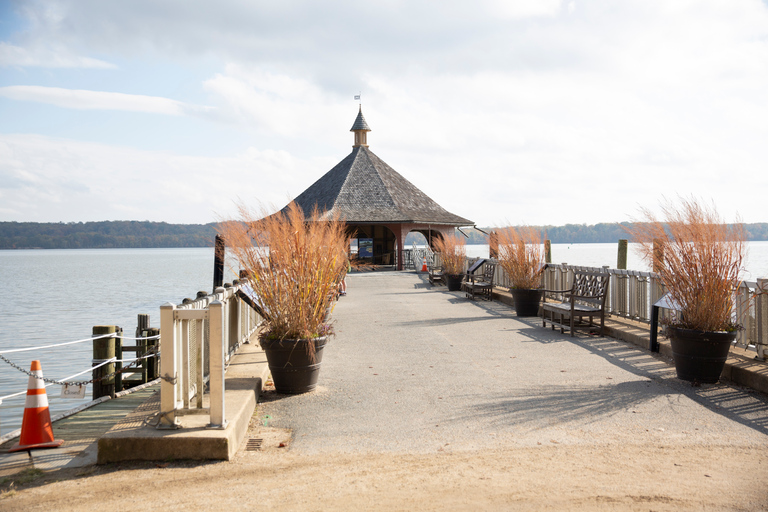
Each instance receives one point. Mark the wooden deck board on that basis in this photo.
(90, 424)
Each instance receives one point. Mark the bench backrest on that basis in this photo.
(488, 272)
(590, 287)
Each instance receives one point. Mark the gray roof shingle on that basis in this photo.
(360, 123)
(362, 188)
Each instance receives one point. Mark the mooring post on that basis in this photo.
(153, 346)
(621, 261)
(493, 245)
(218, 262)
(118, 363)
(103, 349)
(548, 251)
(658, 255)
(142, 326)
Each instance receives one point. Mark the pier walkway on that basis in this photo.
(429, 401)
(80, 433)
(416, 368)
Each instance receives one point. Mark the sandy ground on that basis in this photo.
(546, 477)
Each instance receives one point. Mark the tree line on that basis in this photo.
(145, 234)
(105, 234)
(584, 234)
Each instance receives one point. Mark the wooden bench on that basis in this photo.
(436, 275)
(585, 299)
(480, 284)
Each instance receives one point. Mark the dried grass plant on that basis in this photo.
(699, 259)
(521, 255)
(294, 265)
(453, 253)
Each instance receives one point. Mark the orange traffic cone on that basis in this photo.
(424, 266)
(36, 429)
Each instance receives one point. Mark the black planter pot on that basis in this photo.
(700, 355)
(453, 282)
(293, 368)
(526, 301)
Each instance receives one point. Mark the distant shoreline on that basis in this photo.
(162, 235)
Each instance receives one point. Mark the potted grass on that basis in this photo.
(453, 254)
(294, 265)
(521, 255)
(698, 258)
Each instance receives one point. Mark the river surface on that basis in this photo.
(55, 296)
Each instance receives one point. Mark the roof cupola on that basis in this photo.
(361, 130)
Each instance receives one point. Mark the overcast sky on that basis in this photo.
(502, 111)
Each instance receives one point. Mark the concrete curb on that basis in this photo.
(133, 439)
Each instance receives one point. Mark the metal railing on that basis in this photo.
(197, 339)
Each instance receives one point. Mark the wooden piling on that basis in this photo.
(658, 255)
(548, 251)
(103, 349)
(621, 261)
(142, 326)
(118, 364)
(218, 262)
(153, 363)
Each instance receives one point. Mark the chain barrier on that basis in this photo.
(135, 362)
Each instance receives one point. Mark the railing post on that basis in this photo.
(761, 312)
(103, 349)
(741, 305)
(168, 370)
(217, 356)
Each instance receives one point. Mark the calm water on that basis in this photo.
(56, 296)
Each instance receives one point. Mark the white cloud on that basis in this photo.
(279, 104)
(48, 180)
(100, 100)
(625, 101)
(46, 57)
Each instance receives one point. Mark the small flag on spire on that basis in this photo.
(357, 96)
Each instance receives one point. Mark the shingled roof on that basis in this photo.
(362, 188)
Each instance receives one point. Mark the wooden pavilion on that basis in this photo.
(379, 206)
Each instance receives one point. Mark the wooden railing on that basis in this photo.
(632, 293)
(197, 339)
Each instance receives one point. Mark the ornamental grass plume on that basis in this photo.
(521, 255)
(294, 265)
(453, 253)
(699, 259)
